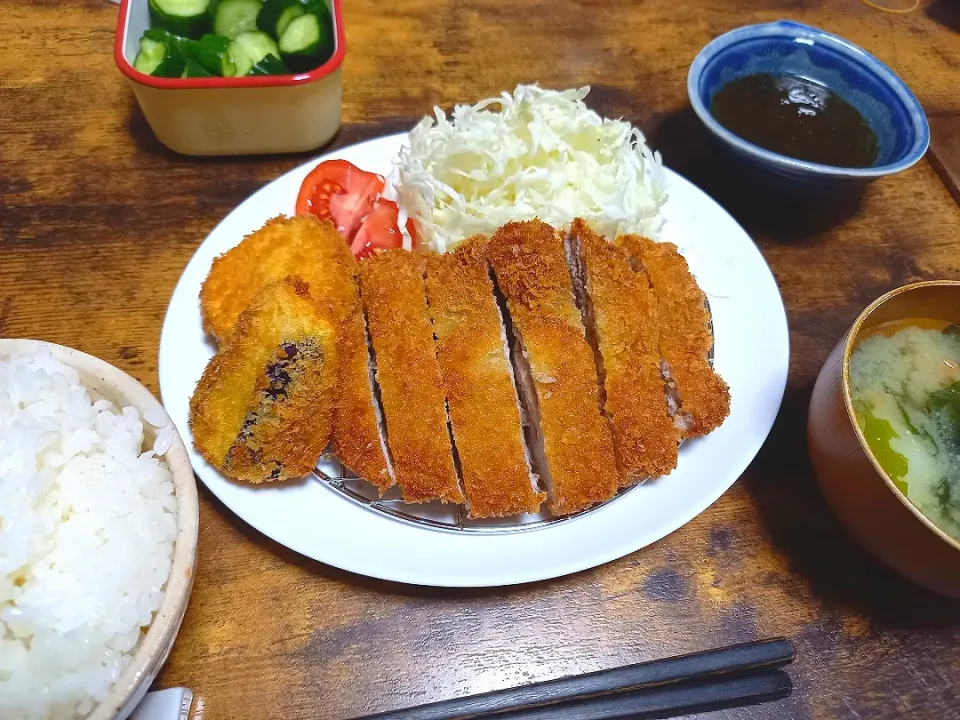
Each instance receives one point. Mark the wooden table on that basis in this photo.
(97, 220)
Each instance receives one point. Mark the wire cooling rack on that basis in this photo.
(445, 516)
(435, 515)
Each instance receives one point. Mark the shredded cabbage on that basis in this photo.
(545, 154)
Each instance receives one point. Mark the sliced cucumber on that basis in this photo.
(249, 48)
(211, 52)
(172, 66)
(277, 15)
(287, 17)
(232, 17)
(193, 69)
(188, 18)
(174, 43)
(270, 65)
(318, 8)
(257, 45)
(151, 54)
(307, 43)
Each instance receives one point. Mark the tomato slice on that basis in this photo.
(380, 230)
(341, 191)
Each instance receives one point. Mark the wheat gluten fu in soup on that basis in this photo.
(87, 528)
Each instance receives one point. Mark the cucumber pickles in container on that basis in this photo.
(224, 77)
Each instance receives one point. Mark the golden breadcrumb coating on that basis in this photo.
(478, 380)
(624, 314)
(411, 387)
(685, 336)
(314, 251)
(283, 246)
(531, 271)
(262, 409)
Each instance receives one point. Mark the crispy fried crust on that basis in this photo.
(411, 388)
(625, 317)
(685, 337)
(480, 390)
(531, 271)
(356, 437)
(301, 245)
(316, 252)
(262, 409)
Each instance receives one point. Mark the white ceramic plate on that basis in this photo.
(315, 520)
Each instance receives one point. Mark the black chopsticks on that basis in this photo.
(711, 680)
(666, 701)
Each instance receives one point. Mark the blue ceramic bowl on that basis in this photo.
(786, 47)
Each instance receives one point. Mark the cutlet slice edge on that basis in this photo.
(534, 478)
(405, 463)
(468, 267)
(633, 395)
(528, 295)
(579, 281)
(358, 439)
(707, 394)
(528, 403)
(525, 391)
(377, 402)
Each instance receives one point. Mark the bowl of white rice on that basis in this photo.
(98, 535)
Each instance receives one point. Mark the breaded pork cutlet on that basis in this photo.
(411, 387)
(314, 251)
(262, 409)
(620, 313)
(482, 398)
(685, 336)
(555, 366)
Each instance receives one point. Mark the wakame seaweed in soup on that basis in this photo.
(905, 387)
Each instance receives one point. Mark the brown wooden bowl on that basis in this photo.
(860, 493)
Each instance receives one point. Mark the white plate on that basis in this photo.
(313, 519)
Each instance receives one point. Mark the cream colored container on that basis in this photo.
(234, 116)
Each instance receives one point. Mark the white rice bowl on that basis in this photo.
(87, 529)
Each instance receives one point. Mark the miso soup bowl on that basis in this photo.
(857, 489)
(234, 116)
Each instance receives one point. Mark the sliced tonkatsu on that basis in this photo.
(314, 251)
(620, 313)
(262, 409)
(685, 336)
(555, 367)
(411, 386)
(474, 361)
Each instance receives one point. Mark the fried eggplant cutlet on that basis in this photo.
(314, 251)
(411, 386)
(262, 409)
(555, 366)
(620, 313)
(685, 336)
(474, 360)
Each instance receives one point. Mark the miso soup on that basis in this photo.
(905, 387)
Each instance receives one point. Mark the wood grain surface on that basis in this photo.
(945, 151)
(97, 220)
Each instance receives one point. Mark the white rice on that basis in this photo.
(87, 527)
